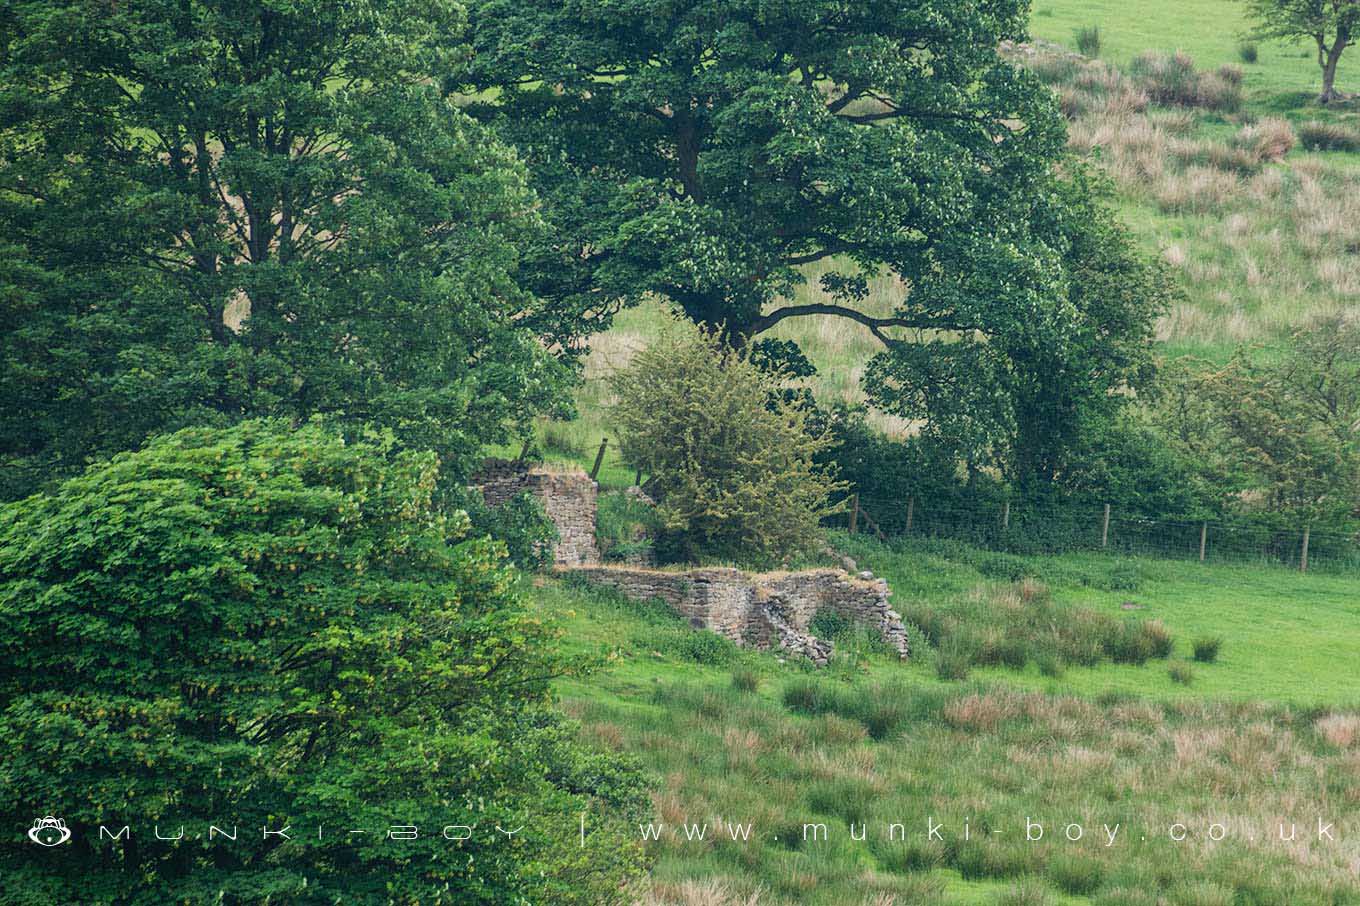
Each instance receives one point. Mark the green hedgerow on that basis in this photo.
(270, 621)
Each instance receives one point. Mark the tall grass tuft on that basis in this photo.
(1206, 648)
(1088, 40)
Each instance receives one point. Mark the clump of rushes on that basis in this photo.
(744, 680)
(1181, 672)
(1206, 648)
(1088, 40)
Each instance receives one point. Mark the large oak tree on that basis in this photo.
(709, 151)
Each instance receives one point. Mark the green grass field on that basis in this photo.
(1253, 739)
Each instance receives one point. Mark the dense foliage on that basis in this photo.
(266, 627)
(729, 457)
(1277, 434)
(707, 153)
(214, 211)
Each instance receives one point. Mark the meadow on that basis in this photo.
(1263, 734)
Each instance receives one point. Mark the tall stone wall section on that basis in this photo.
(567, 497)
(767, 610)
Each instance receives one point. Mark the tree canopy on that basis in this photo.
(265, 626)
(214, 211)
(708, 151)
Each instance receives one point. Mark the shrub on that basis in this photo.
(744, 680)
(270, 621)
(731, 458)
(1248, 52)
(1206, 648)
(1181, 672)
(1320, 136)
(1088, 40)
(520, 522)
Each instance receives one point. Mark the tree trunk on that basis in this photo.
(1329, 61)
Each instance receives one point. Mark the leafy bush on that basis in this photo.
(268, 622)
(1088, 40)
(1181, 672)
(731, 459)
(1248, 52)
(1206, 648)
(520, 523)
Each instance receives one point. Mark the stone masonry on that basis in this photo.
(567, 496)
(766, 610)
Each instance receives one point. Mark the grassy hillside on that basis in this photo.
(743, 738)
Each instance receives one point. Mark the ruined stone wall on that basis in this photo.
(769, 610)
(567, 496)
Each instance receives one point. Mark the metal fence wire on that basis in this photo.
(1029, 528)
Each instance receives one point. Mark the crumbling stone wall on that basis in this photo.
(768, 610)
(567, 495)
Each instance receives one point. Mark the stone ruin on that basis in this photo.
(761, 610)
(567, 496)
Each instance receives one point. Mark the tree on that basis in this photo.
(265, 627)
(708, 152)
(1332, 25)
(731, 458)
(215, 211)
(1278, 434)
(1028, 401)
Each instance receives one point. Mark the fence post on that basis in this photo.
(1105, 528)
(1303, 557)
(854, 513)
(599, 459)
(1203, 539)
(911, 511)
(1006, 515)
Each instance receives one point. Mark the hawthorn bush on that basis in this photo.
(266, 627)
(730, 454)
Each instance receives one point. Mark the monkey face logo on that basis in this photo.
(49, 831)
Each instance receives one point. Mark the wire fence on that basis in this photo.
(1039, 529)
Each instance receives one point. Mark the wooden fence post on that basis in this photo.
(1303, 557)
(854, 513)
(1105, 528)
(599, 459)
(1203, 539)
(911, 511)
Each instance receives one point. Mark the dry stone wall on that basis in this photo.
(567, 496)
(767, 610)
